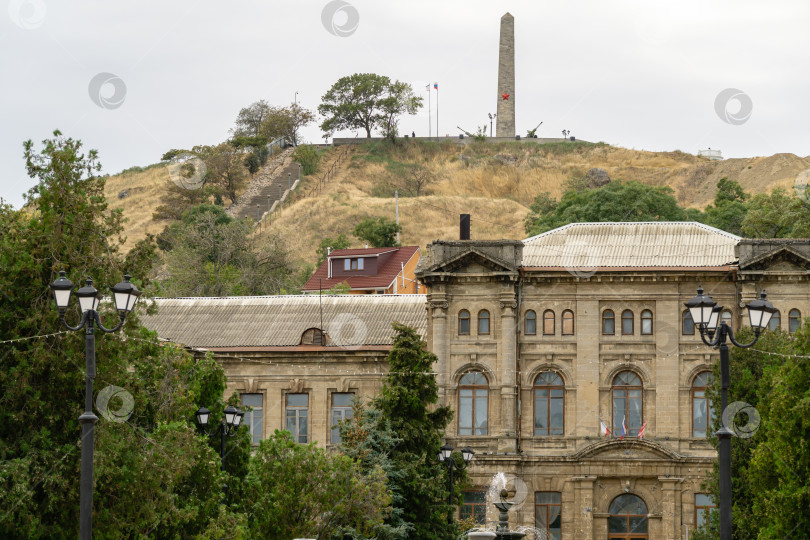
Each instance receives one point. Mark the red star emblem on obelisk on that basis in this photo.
(505, 96)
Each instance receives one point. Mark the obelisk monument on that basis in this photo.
(506, 79)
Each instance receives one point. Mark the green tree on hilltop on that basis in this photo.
(367, 101)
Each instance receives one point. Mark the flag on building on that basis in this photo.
(427, 87)
(436, 85)
(624, 428)
(641, 431)
(603, 429)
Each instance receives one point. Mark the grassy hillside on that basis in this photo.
(495, 183)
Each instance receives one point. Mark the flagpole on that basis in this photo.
(437, 110)
(430, 114)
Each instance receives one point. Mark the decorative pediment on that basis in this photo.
(470, 261)
(626, 449)
(774, 254)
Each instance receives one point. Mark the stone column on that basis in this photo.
(507, 441)
(583, 520)
(506, 79)
(438, 311)
(670, 524)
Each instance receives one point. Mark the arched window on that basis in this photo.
(628, 518)
(701, 405)
(483, 322)
(646, 322)
(776, 321)
(725, 317)
(313, 336)
(688, 324)
(464, 323)
(548, 323)
(627, 322)
(549, 404)
(794, 320)
(568, 323)
(608, 322)
(530, 322)
(628, 406)
(473, 393)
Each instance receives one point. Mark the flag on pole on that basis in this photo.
(641, 431)
(624, 428)
(436, 85)
(603, 429)
(427, 87)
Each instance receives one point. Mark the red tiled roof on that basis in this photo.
(362, 251)
(383, 278)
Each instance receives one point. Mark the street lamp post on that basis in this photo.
(705, 314)
(227, 427)
(491, 116)
(125, 294)
(446, 459)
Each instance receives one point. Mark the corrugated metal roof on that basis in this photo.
(382, 279)
(277, 321)
(623, 245)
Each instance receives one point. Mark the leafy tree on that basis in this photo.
(250, 119)
(286, 122)
(616, 201)
(729, 208)
(401, 432)
(327, 244)
(367, 101)
(308, 156)
(771, 469)
(379, 232)
(285, 502)
(226, 171)
(209, 253)
(152, 472)
(776, 215)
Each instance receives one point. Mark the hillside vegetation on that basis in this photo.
(495, 183)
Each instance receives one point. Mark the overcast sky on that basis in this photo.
(641, 75)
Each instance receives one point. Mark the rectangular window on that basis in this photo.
(688, 324)
(360, 263)
(474, 505)
(347, 264)
(253, 417)
(341, 410)
(703, 505)
(531, 326)
(547, 514)
(472, 414)
(297, 416)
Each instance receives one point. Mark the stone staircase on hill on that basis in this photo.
(268, 187)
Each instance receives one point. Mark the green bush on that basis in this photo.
(309, 158)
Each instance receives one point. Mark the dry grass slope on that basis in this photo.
(495, 183)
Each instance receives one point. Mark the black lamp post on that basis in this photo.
(705, 314)
(491, 116)
(227, 427)
(125, 294)
(446, 458)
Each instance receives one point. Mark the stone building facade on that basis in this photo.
(542, 340)
(538, 342)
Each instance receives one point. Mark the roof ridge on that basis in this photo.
(628, 223)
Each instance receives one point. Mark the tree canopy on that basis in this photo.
(379, 232)
(367, 101)
(616, 201)
(401, 432)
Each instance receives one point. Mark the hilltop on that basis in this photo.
(495, 183)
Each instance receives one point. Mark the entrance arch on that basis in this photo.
(628, 518)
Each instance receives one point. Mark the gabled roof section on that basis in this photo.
(475, 256)
(617, 448)
(279, 321)
(658, 244)
(760, 253)
(384, 277)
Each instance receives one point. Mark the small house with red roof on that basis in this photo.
(387, 270)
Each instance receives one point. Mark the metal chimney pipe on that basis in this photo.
(464, 227)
